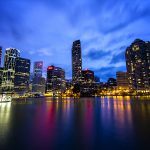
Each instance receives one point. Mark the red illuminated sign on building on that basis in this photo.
(50, 67)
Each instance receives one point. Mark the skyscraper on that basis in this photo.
(1, 69)
(87, 76)
(9, 69)
(122, 79)
(138, 64)
(55, 79)
(22, 74)
(1, 77)
(87, 83)
(38, 83)
(38, 67)
(76, 61)
(0, 55)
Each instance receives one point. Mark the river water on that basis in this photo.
(74, 124)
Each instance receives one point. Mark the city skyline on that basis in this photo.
(44, 69)
(39, 36)
(16, 74)
(74, 74)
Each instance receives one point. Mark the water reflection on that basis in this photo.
(87, 123)
(5, 109)
(116, 116)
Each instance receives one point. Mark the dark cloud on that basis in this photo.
(108, 72)
(121, 14)
(119, 57)
(94, 54)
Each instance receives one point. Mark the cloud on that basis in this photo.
(41, 52)
(119, 57)
(94, 54)
(108, 72)
(44, 30)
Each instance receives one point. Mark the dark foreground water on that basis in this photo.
(66, 124)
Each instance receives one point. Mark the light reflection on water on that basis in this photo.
(88, 123)
(4, 120)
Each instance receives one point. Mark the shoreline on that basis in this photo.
(81, 96)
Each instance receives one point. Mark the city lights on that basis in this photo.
(17, 80)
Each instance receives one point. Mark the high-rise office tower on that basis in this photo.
(9, 69)
(87, 76)
(38, 85)
(138, 64)
(1, 77)
(38, 82)
(0, 55)
(38, 67)
(87, 84)
(1, 69)
(122, 79)
(55, 79)
(76, 61)
(22, 74)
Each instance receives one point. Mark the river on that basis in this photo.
(74, 124)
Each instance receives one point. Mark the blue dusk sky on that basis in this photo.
(45, 29)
